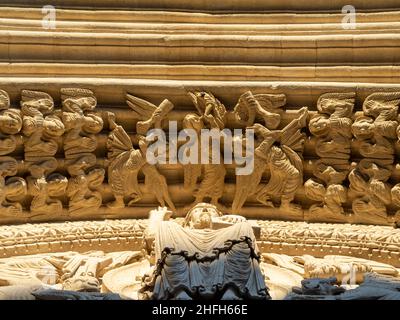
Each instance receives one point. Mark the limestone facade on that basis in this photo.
(78, 98)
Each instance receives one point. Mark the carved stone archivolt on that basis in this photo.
(330, 162)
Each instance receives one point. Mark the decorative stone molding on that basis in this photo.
(377, 243)
(108, 236)
(79, 162)
(319, 239)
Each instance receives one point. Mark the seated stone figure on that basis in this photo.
(194, 261)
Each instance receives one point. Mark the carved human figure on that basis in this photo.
(83, 191)
(42, 128)
(13, 189)
(45, 192)
(124, 167)
(332, 129)
(332, 125)
(195, 261)
(10, 125)
(213, 174)
(328, 189)
(284, 162)
(375, 131)
(80, 143)
(369, 182)
(395, 192)
(80, 272)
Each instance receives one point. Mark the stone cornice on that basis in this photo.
(227, 6)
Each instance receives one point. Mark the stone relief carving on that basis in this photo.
(266, 107)
(126, 161)
(41, 128)
(131, 274)
(197, 261)
(280, 152)
(64, 173)
(81, 124)
(13, 189)
(375, 130)
(332, 129)
(212, 115)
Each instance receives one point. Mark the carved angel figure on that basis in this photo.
(255, 107)
(125, 163)
(332, 125)
(284, 163)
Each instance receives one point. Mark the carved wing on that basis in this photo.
(142, 109)
(357, 183)
(291, 136)
(118, 142)
(271, 101)
(381, 190)
(378, 101)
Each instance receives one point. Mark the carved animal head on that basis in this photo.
(340, 103)
(382, 102)
(319, 286)
(78, 100)
(206, 103)
(36, 102)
